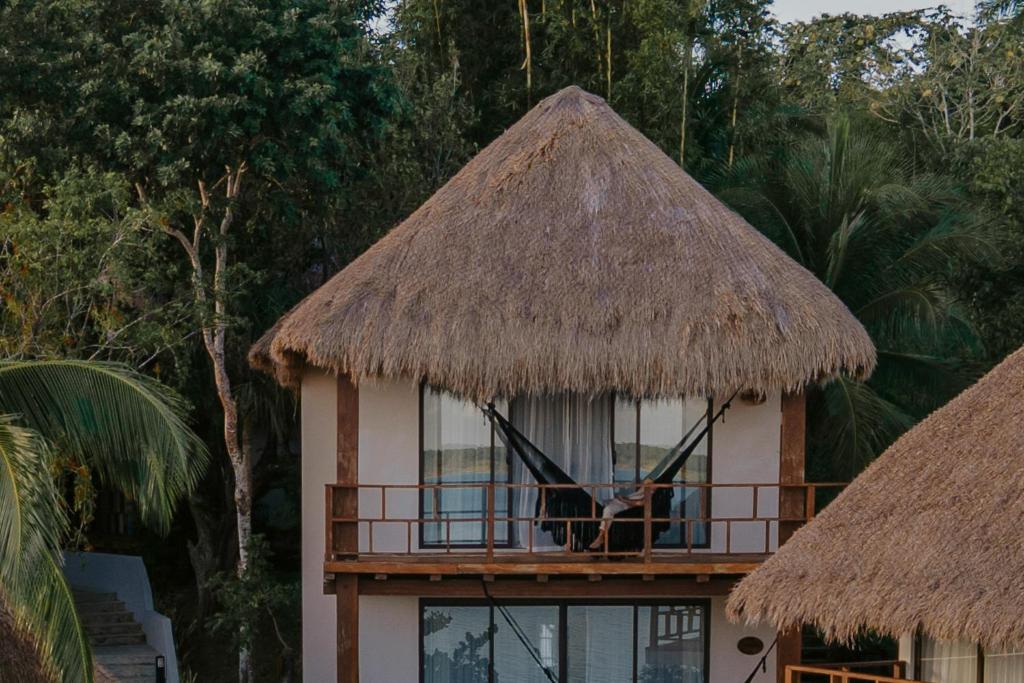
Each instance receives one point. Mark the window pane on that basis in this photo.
(512, 661)
(670, 644)
(456, 450)
(662, 425)
(600, 644)
(456, 644)
(625, 445)
(948, 662)
(1005, 667)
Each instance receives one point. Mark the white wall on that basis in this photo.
(319, 466)
(389, 639)
(746, 451)
(728, 664)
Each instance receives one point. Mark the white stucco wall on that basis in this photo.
(728, 664)
(746, 451)
(319, 466)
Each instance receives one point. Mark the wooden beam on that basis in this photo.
(788, 651)
(370, 565)
(555, 588)
(347, 596)
(792, 462)
(345, 536)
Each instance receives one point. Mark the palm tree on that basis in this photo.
(127, 429)
(885, 240)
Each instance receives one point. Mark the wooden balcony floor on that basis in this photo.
(513, 564)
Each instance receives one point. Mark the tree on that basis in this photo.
(240, 125)
(104, 417)
(886, 240)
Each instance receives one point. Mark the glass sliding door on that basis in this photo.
(948, 662)
(645, 432)
(456, 644)
(458, 447)
(600, 643)
(1004, 666)
(538, 628)
(670, 644)
(564, 642)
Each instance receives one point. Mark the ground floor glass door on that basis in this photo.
(564, 642)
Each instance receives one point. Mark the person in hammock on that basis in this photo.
(615, 506)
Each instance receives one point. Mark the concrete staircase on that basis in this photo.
(119, 648)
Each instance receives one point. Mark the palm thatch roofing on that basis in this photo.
(19, 660)
(929, 535)
(572, 254)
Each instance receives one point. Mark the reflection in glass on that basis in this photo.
(457, 449)
(539, 626)
(456, 644)
(670, 644)
(645, 432)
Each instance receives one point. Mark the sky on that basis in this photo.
(802, 10)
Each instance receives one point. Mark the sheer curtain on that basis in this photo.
(949, 662)
(575, 432)
(1006, 666)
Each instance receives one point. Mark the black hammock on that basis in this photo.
(558, 508)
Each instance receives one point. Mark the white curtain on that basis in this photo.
(1006, 666)
(575, 432)
(949, 662)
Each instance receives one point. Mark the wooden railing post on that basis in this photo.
(648, 534)
(490, 522)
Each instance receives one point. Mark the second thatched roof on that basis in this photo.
(572, 254)
(929, 535)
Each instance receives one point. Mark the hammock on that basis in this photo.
(570, 501)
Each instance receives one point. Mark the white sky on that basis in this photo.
(802, 10)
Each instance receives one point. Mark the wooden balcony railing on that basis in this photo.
(424, 520)
(839, 673)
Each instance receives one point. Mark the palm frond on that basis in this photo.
(32, 585)
(126, 427)
(854, 424)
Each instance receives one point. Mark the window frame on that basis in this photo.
(421, 513)
(563, 605)
(706, 508)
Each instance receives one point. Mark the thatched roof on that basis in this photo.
(572, 254)
(19, 660)
(930, 534)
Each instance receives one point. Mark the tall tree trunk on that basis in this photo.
(214, 335)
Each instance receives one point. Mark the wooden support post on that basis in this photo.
(345, 536)
(792, 501)
(347, 590)
(788, 649)
(792, 505)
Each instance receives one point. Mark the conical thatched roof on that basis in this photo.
(19, 660)
(572, 254)
(930, 534)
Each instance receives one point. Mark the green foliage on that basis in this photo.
(108, 418)
(256, 597)
(886, 241)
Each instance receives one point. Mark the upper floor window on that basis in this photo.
(644, 433)
(602, 441)
(459, 447)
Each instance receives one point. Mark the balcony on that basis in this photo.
(494, 528)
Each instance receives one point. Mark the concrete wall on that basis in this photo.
(728, 664)
(126, 576)
(319, 467)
